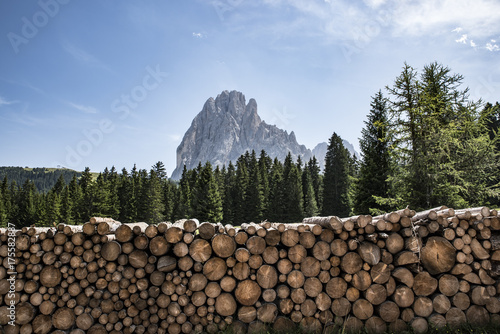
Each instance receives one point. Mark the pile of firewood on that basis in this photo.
(388, 272)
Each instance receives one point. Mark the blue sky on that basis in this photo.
(102, 83)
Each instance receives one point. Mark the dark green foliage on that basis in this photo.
(43, 178)
(376, 164)
(207, 202)
(292, 192)
(436, 132)
(336, 181)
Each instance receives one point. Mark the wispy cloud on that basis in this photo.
(199, 35)
(85, 57)
(85, 109)
(462, 39)
(5, 102)
(492, 47)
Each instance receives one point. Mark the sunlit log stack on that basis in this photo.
(390, 272)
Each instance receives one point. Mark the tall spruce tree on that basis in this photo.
(292, 195)
(207, 201)
(375, 166)
(229, 195)
(435, 126)
(254, 193)
(277, 207)
(310, 204)
(336, 179)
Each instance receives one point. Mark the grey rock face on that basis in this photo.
(227, 127)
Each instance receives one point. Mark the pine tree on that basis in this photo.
(184, 208)
(336, 179)
(277, 208)
(293, 196)
(67, 207)
(435, 128)
(310, 204)
(254, 193)
(316, 179)
(85, 205)
(75, 194)
(153, 198)
(265, 164)
(375, 166)
(228, 206)
(27, 205)
(207, 200)
(240, 192)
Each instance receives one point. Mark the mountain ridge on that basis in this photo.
(227, 127)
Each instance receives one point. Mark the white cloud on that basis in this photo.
(84, 57)
(198, 35)
(85, 109)
(457, 30)
(462, 39)
(492, 47)
(472, 44)
(5, 102)
(479, 17)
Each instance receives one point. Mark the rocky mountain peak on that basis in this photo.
(227, 127)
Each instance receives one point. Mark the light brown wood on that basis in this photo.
(438, 255)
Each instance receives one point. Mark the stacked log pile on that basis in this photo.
(388, 272)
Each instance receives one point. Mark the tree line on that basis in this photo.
(425, 143)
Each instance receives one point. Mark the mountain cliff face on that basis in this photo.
(227, 127)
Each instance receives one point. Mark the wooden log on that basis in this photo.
(448, 285)
(394, 243)
(336, 288)
(225, 305)
(388, 311)
(351, 263)
(362, 309)
(63, 318)
(206, 231)
(477, 315)
(376, 294)
(267, 312)
(247, 292)
(331, 222)
(111, 250)
(256, 245)
(290, 238)
(380, 273)
(438, 255)
(441, 304)
(215, 268)
(200, 250)
(270, 255)
(267, 277)
(338, 247)
(455, 317)
(403, 275)
(419, 325)
(223, 245)
(375, 325)
(361, 280)
(369, 252)
(423, 307)
(403, 296)
(424, 284)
